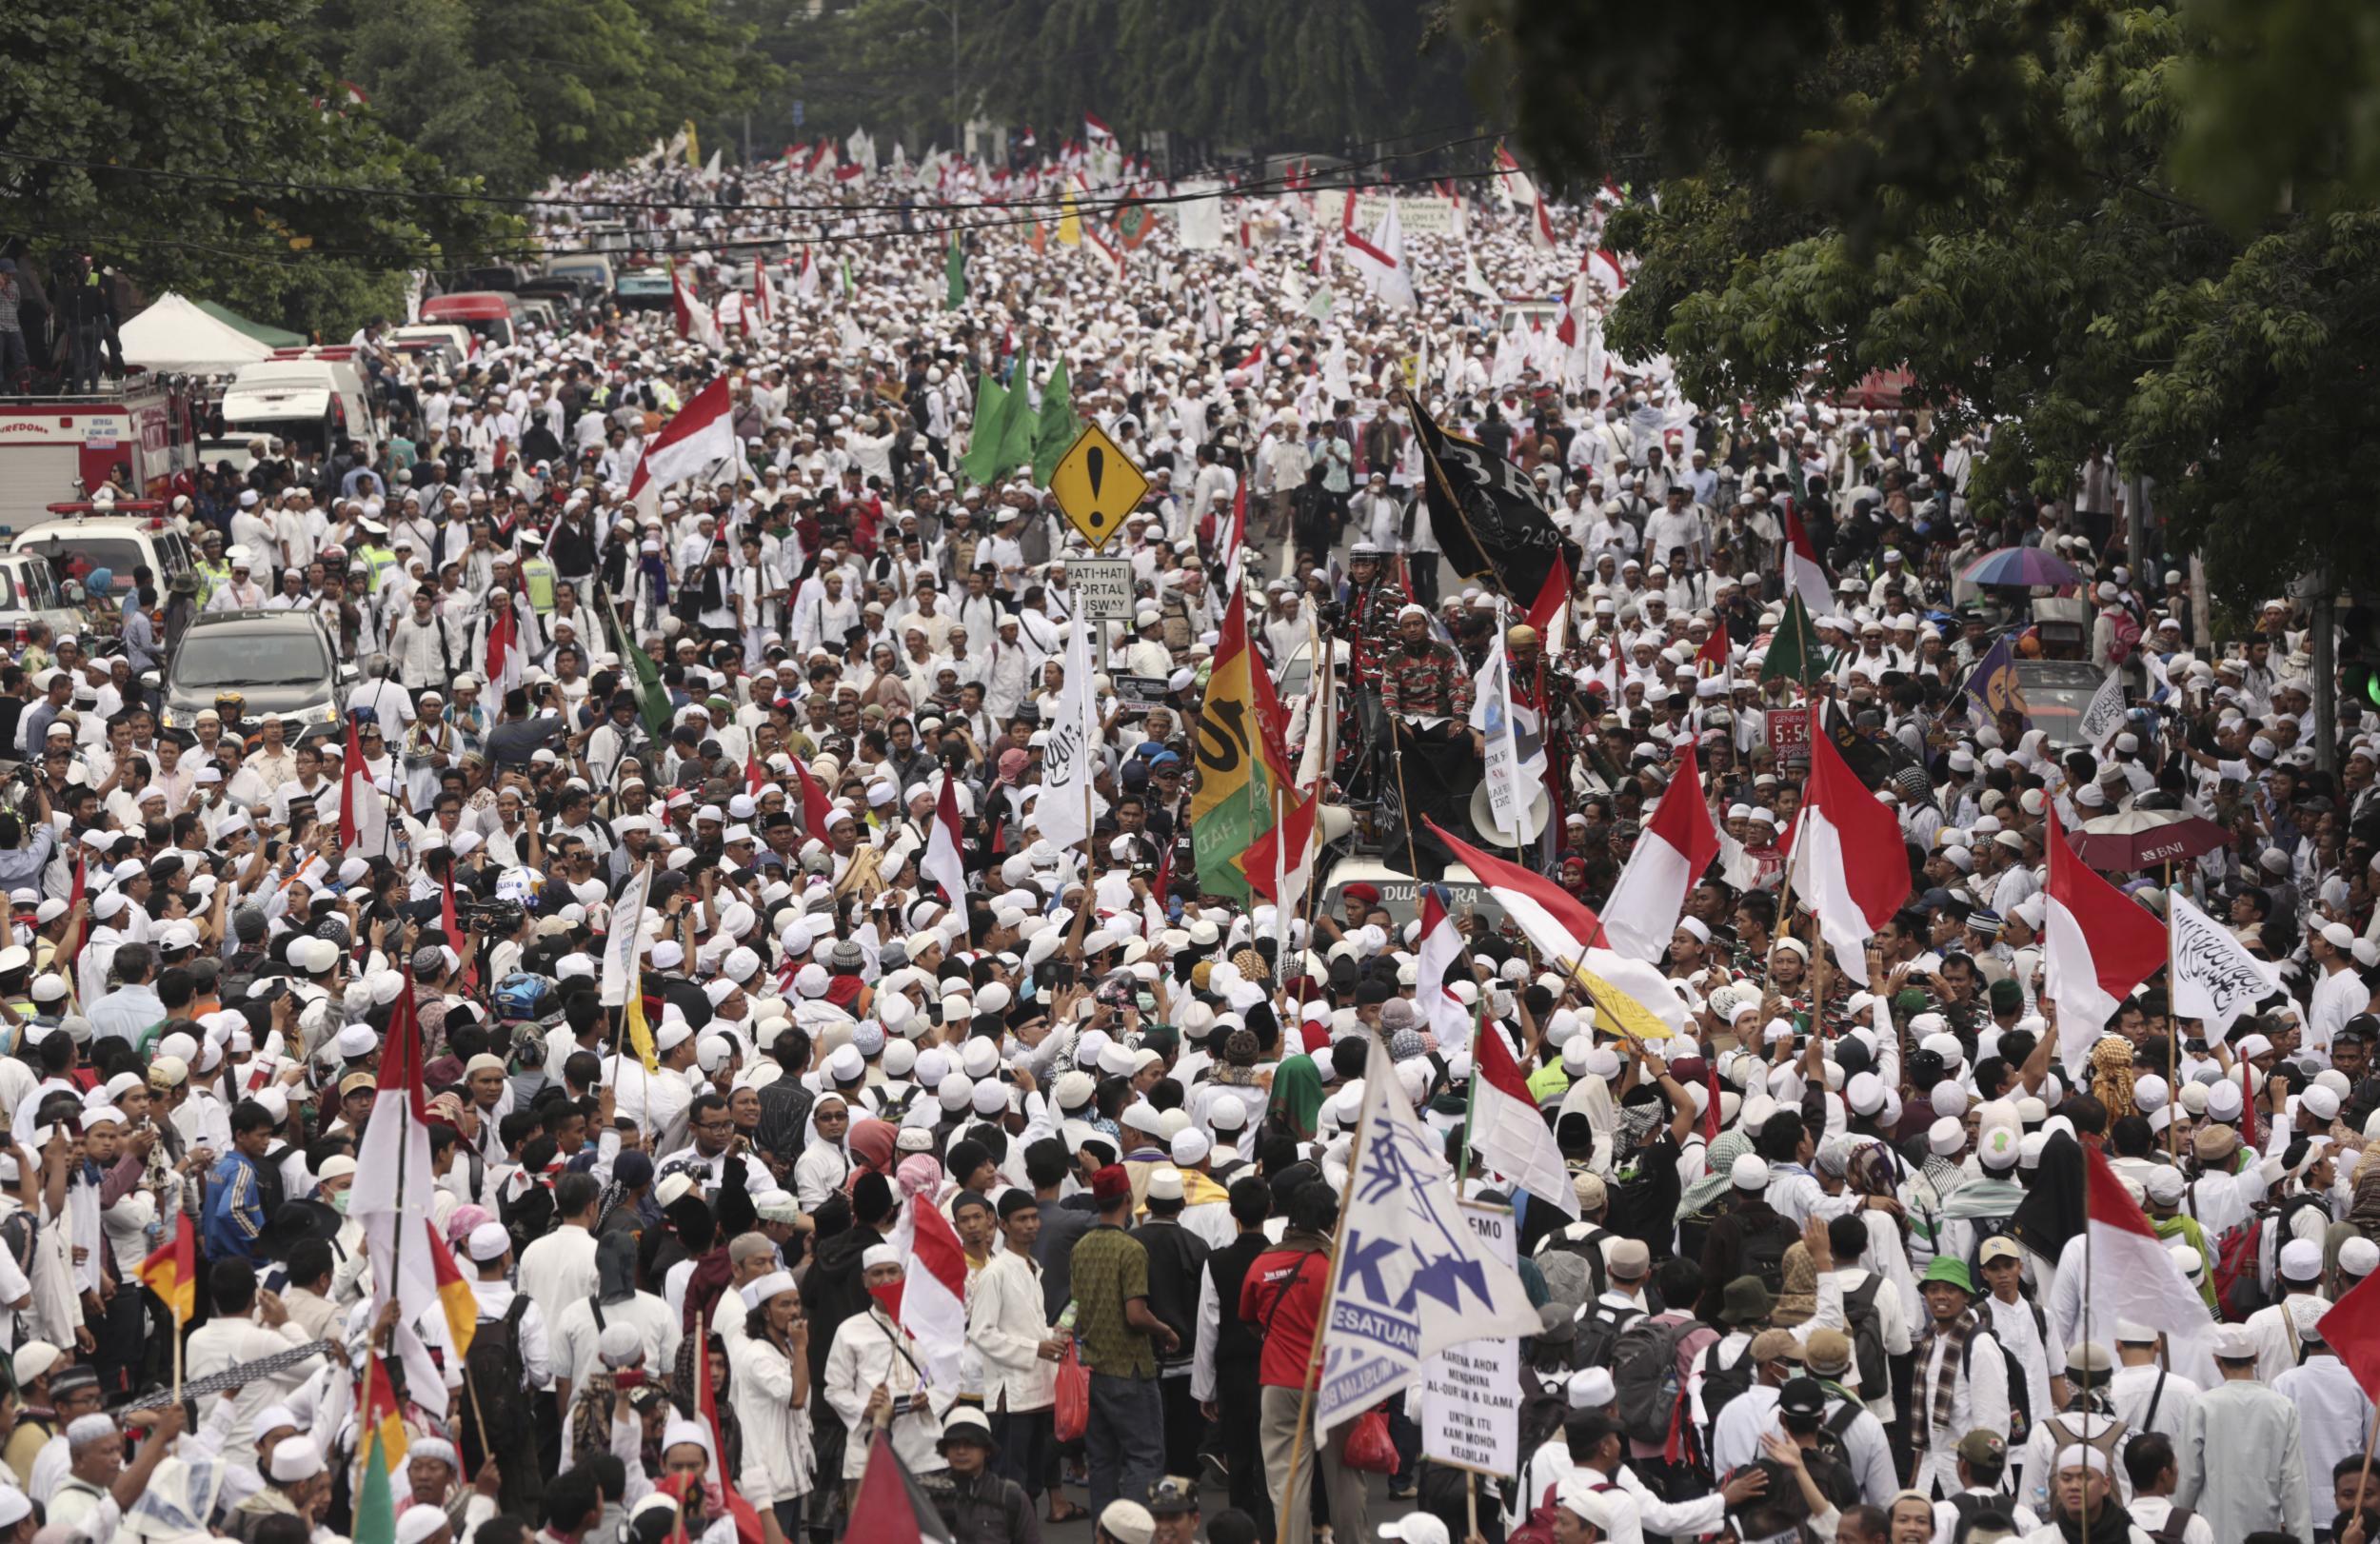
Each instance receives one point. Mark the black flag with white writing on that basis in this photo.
(1488, 517)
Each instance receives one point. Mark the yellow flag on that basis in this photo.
(1069, 223)
(1616, 1013)
(693, 147)
(640, 1033)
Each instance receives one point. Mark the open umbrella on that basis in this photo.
(2134, 839)
(2020, 566)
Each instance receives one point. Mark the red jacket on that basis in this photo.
(1298, 1272)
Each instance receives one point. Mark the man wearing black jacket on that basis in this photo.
(1224, 1374)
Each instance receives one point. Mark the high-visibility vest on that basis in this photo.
(537, 577)
(209, 576)
(378, 560)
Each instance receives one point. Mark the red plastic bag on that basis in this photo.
(1073, 1415)
(1369, 1447)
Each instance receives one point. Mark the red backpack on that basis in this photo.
(1538, 1528)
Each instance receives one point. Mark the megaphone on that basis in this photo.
(1332, 822)
(1534, 816)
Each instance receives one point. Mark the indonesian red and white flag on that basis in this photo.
(761, 310)
(1566, 933)
(505, 659)
(2101, 946)
(934, 1294)
(2130, 1276)
(1507, 1130)
(1097, 131)
(1106, 254)
(943, 862)
(1380, 259)
(806, 282)
(1804, 575)
(1441, 951)
(693, 316)
(1674, 850)
(700, 437)
(391, 1196)
(1849, 864)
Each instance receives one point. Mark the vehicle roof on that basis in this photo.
(475, 302)
(93, 526)
(254, 619)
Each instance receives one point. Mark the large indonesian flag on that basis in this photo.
(505, 659)
(1568, 937)
(1804, 575)
(1849, 864)
(700, 437)
(2101, 946)
(2131, 1276)
(1507, 1130)
(943, 862)
(1678, 843)
(934, 1294)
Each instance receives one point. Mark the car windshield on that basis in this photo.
(243, 657)
(78, 557)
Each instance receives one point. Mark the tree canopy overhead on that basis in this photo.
(2047, 211)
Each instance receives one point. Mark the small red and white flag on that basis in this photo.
(2099, 948)
(1106, 252)
(934, 1294)
(1848, 864)
(806, 282)
(1507, 1130)
(700, 436)
(693, 317)
(816, 807)
(1441, 950)
(1713, 657)
(1097, 131)
(1804, 575)
(1676, 846)
(506, 661)
(762, 311)
(2351, 1328)
(1550, 612)
(943, 862)
(848, 171)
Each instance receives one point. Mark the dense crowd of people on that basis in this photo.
(711, 726)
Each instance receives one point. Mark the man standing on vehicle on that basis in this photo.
(239, 592)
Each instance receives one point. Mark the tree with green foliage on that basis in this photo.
(196, 144)
(2005, 201)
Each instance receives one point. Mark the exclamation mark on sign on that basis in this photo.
(1095, 463)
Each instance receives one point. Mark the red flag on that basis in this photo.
(454, 934)
(350, 776)
(2351, 1328)
(815, 804)
(75, 897)
(504, 672)
(892, 1508)
(1714, 653)
(753, 780)
(748, 1529)
(2247, 1107)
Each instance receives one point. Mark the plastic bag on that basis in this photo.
(1073, 1417)
(1370, 1449)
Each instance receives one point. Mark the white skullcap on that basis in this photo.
(489, 1241)
(417, 1525)
(876, 1255)
(1590, 1388)
(294, 1458)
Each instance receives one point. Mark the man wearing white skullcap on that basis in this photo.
(246, 1326)
(491, 1248)
(872, 1375)
(2242, 1454)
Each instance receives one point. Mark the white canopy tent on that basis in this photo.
(174, 335)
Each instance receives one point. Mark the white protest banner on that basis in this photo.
(1410, 1278)
(1102, 589)
(1061, 813)
(626, 937)
(1423, 215)
(1199, 216)
(2104, 714)
(1491, 714)
(2215, 978)
(1471, 1392)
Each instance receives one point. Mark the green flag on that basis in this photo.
(843, 277)
(643, 679)
(982, 462)
(1793, 651)
(1018, 429)
(955, 270)
(1055, 434)
(375, 1520)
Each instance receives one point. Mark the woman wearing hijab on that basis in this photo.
(825, 1163)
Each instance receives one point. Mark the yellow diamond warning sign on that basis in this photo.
(1097, 486)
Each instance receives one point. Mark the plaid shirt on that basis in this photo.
(8, 304)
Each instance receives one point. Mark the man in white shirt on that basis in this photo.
(1961, 1383)
(234, 1337)
(559, 1269)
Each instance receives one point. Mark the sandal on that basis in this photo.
(1070, 1514)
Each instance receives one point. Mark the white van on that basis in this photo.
(309, 399)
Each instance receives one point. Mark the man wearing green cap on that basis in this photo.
(1961, 1381)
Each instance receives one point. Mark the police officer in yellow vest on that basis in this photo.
(373, 555)
(536, 573)
(213, 572)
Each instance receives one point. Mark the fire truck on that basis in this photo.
(143, 436)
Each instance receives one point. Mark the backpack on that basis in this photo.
(1867, 1338)
(2125, 641)
(1600, 1327)
(2171, 1531)
(1538, 1528)
(1573, 1267)
(1721, 1384)
(2243, 1262)
(1828, 1458)
(1975, 1512)
(1764, 1254)
(1644, 1370)
(2019, 1393)
(529, 1215)
(495, 1370)
(1986, 1229)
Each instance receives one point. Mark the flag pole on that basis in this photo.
(1322, 1322)
(2173, 1052)
(1471, 1098)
